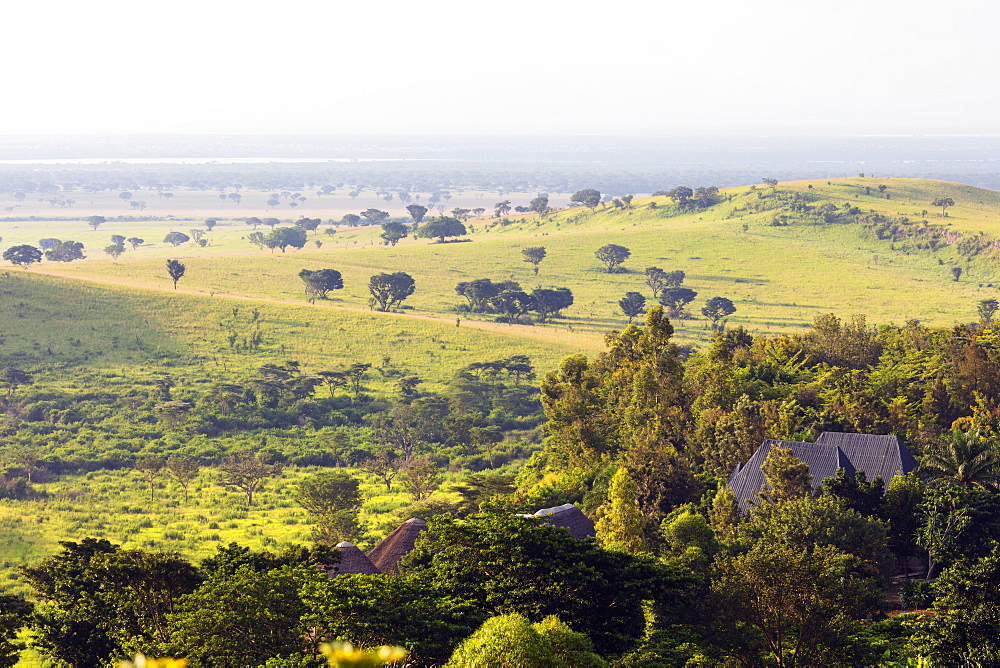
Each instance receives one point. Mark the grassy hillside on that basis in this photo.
(780, 276)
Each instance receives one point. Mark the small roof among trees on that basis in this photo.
(386, 555)
(352, 562)
(876, 455)
(569, 517)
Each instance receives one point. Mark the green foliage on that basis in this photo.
(613, 255)
(22, 255)
(962, 630)
(389, 290)
(620, 526)
(786, 477)
(320, 281)
(441, 227)
(512, 564)
(283, 237)
(405, 610)
(242, 618)
(505, 641)
(14, 615)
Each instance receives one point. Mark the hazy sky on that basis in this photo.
(513, 66)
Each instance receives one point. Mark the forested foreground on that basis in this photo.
(641, 438)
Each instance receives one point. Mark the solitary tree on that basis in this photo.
(987, 309)
(319, 282)
(183, 469)
(588, 197)
(22, 255)
(247, 472)
(96, 221)
(389, 290)
(374, 216)
(392, 232)
(539, 204)
(150, 468)
(944, 203)
(136, 242)
(632, 304)
(175, 239)
(675, 299)
(956, 272)
(501, 208)
(442, 227)
(175, 269)
(417, 212)
(613, 256)
(718, 308)
(534, 255)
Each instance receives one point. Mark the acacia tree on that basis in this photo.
(22, 255)
(534, 255)
(987, 309)
(150, 469)
(613, 255)
(183, 469)
(442, 227)
(675, 299)
(501, 209)
(283, 237)
(247, 472)
(539, 205)
(392, 232)
(389, 290)
(588, 197)
(175, 239)
(716, 309)
(632, 304)
(175, 269)
(321, 281)
(96, 221)
(420, 476)
(944, 203)
(417, 212)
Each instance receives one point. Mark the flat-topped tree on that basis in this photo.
(22, 255)
(442, 227)
(374, 216)
(944, 203)
(613, 255)
(389, 290)
(588, 197)
(175, 239)
(321, 281)
(675, 299)
(417, 212)
(96, 221)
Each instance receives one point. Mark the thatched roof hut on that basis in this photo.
(352, 562)
(569, 517)
(386, 555)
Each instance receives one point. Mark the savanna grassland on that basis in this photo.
(120, 368)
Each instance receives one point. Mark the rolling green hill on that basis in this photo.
(769, 250)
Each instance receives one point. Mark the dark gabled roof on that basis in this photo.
(352, 562)
(874, 454)
(386, 555)
(570, 518)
